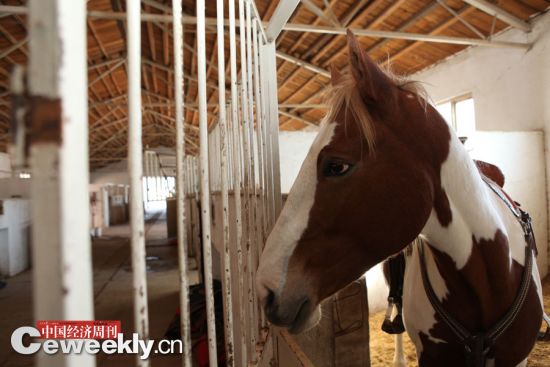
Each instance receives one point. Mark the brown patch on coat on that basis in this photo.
(482, 292)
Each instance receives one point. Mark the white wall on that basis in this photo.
(509, 86)
(14, 236)
(293, 148)
(520, 156)
(5, 165)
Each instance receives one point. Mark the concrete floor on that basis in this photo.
(112, 292)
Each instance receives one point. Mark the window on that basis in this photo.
(158, 188)
(459, 113)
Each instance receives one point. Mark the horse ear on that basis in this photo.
(335, 75)
(373, 83)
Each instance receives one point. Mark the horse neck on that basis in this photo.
(472, 250)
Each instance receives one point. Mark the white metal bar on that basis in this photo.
(259, 124)
(222, 124)
(304, 64)
(443, 4)
(237, 174)
(259, 18)
(500, 13)
(62, 274)
(320, 13)
(135, 168)
(273, 130)
(181, 190)
(259, 144)
(296, 117)
(303, 105)
(280, 17)
(205, 185)
(251, 339)
(13, 47)
(404, 36)
(265, 152)
(12, 9)
(253, 217)
(264, 69)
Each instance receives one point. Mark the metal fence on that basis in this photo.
(237, 168)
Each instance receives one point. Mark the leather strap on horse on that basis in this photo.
(477, 345)
(525, 221)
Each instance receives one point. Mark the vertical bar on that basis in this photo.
(237, 173)
(259, 123)
(267, 137)
(146, 176)
(205, 186)
(273, 130)
(180, 182)
(251, 339)
(222, 124)
(135, 168)
(62, 275)
(253, 252)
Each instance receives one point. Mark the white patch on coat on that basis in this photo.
(293, 219)
(415, 300)
(472, 206)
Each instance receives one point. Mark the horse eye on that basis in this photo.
(335, 169)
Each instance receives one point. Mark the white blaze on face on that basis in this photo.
(293, 220)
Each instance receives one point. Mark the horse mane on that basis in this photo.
(345, 94)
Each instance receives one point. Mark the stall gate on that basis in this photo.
(234, 180)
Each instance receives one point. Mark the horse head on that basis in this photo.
(365, 191)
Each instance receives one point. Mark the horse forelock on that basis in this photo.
(345, 95)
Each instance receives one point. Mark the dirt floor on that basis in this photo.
(382, 344)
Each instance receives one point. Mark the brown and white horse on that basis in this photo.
(385, 169)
